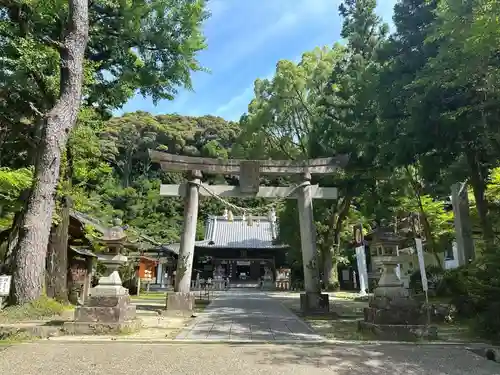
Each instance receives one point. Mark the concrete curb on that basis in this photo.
(109, 339)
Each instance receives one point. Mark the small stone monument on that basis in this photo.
(5, 283)
(108, 310)
(267, 279)
(392, 314)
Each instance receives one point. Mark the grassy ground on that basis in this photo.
(150, 295)
(15, 338)
(41, 309)
(19, 323)
(346, 309)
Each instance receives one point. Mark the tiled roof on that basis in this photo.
(384, 235)
(83, 251)
(221, 232)
(237, 234)
(175, 247)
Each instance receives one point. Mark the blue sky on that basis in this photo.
(245, 41)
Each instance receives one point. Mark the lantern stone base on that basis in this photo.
(104, 314)
(314, 302)
(268, 285)
(396, 318)
(106, 309)
(180, 304)
(100, 328)
(399, 332)
(398, 310)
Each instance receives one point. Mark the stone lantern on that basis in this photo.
(110, 284)
(392, 314)
(108, 310)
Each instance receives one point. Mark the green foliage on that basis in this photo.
(434, 278)
(440, 220)
(280, 118)
(454, 283)
(12, 184)
(114, 176)
(142, 46)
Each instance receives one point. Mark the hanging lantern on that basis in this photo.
(230, 216)
(250, 221)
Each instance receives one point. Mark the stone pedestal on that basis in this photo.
(180, 304)
(314, 303)
(392, 314)
(268, 285)
(108, 310)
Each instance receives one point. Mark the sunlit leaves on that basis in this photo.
(281, 117)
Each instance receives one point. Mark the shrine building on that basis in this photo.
(243, 249)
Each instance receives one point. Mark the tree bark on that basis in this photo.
(14, 234)
(478, 183)
(57, 257)
(426, 226)
(332, 244)
(330, 271)
(31, 248)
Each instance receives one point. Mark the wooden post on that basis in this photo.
(186, 251)
(308, 236)
(463, 227)
(87, 283)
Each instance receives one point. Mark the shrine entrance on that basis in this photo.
(245, 269)
(249, 172)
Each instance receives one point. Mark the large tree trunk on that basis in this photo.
(31, 248)
(426, 226)
(478, 184)
(14, 234)
(332, 244)
(57, 257)
(330, 271)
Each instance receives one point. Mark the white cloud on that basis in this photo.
(218, 7)
(281, 16)
(236, 106)
(232, 109)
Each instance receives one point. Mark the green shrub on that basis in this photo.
(434, 277)
(453, 283)
(332, 287)
(487, 321)
(483, 288)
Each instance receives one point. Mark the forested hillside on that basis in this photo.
(112, 175)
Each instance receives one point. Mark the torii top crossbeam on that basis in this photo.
(179, 163)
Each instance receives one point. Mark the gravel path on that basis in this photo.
(247, 315)
(218, 359)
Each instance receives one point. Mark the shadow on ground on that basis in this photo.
(376, 359)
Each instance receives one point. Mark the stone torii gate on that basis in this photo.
(249, 172)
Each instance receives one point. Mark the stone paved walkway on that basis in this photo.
(247, 315)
